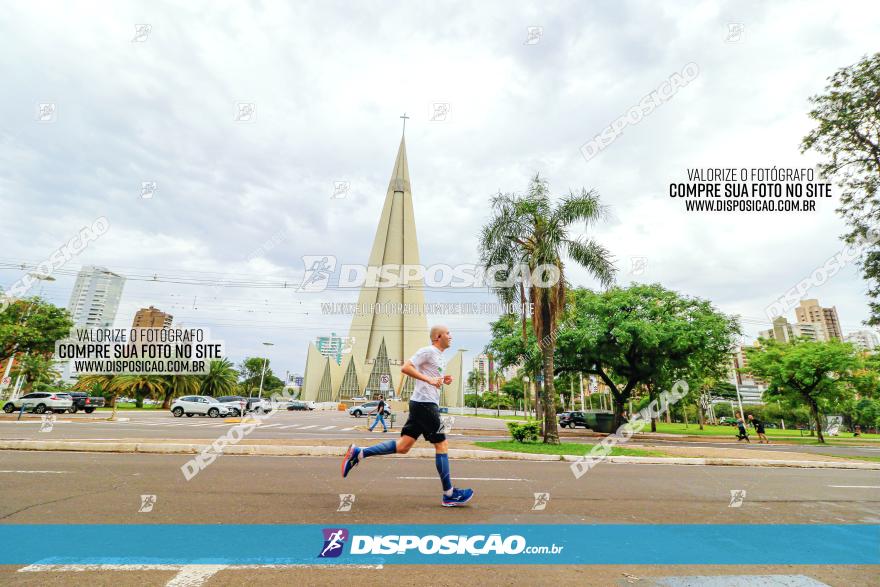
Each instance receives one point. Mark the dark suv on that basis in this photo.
(572, 419)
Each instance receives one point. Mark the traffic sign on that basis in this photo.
(384, 381)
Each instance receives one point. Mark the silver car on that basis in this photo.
(40, 402)
(203, 405)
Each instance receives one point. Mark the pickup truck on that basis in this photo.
(85, 402)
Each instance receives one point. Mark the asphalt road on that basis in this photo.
(324, 425)
(57, 488)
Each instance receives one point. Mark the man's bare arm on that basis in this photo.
(410, 370)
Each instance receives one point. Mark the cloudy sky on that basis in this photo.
(245, 200)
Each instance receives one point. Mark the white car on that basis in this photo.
(40, 402)
(203, 405)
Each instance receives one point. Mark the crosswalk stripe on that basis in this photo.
(269, 425)
(328, 427)
(307, 427)
(291, 426)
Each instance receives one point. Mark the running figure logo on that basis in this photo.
(346, 500)
(334, 540)
(736, 498)
(541, 501)
(147, 503)
(319, 268)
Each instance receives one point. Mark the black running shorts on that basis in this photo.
(424, 420)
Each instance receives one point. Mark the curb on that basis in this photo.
(328, 451)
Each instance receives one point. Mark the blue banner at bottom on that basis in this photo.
(571, 544)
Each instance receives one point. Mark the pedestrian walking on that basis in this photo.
(380, 415)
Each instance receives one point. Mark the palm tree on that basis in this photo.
(140, 385)
(221, 379)
(530, 231)
(102, 384)
(176, 385)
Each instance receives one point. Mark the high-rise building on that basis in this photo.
(481, 365)
(330, 346)
(811, 311)
(864, 339)
(95, 297)
(151, 318)
(783, 331)
(751, 390)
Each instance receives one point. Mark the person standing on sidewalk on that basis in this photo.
(425, 367)
(380, 414)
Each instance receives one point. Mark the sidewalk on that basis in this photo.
(458, 449)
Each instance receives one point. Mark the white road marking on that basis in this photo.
(328, 427)
(347, 429)
(470, 478)
(856, 486)
(194, 575)
(268, 425)
(307, 427)
(34, 471)
(291, 426)
(188, 575)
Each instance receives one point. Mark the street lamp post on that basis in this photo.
(263, 372)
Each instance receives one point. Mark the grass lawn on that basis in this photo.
(121, 406)
(567, 448)
(515, 418)
(790, 435)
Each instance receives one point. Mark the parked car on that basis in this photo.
(367, 408)
(202, 405)
(40, 402)
(572, 419)
(85, 402)
(300, 405)
(259, 404)
(237, 404)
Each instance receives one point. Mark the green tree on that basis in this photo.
(515, 347)
(476, 380)
(32, 326)
(848, 136)
(805, 371)
(36, 369)
(220, 379)
(250, 372)
(642, 335)
(530, 231)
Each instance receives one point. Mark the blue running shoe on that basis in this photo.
(458, 497)
(352, 458)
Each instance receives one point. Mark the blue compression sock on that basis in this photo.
(442, 462)
(389, 447)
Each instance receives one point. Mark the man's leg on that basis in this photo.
(441, 459)
(354, 454)
(381, 418)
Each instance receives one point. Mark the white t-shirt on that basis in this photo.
(428, 361)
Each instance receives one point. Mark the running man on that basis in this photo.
(759, 429)
(380, 415)
(425, 367)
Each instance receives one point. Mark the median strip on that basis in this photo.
(331, 451)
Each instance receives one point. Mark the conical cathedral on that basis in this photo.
(384, 340)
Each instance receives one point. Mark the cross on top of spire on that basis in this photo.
(405, 118)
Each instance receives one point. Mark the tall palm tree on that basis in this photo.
(531, 231)
(140, 385)
(176, 385)
(221, 379)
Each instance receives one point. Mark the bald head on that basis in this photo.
(440, 337)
